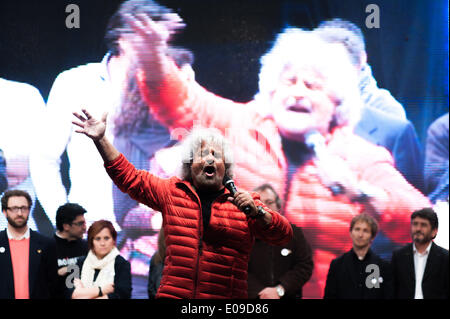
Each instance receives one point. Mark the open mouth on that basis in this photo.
(299, 108)
(209, 171)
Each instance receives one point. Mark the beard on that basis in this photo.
(209, 184)
(17, 223)
(425, 238)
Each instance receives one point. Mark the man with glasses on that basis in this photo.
(70, 245)
(27, 259)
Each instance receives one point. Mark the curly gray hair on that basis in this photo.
(193, 142)
(295, 46)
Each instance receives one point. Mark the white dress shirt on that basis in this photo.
(25, 235)
(420, 261)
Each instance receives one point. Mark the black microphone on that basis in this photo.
(316, 142)
(229, 184)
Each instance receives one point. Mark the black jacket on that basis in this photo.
(122, 278)
(347, 278)
(268, 267)
(435, 277)
(42, 276)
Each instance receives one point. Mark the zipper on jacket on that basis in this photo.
(200, 251)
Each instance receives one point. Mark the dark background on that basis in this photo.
(408, 53)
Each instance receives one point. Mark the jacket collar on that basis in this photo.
(191, 188)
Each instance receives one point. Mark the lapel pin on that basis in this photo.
(2, 250)
(39, 251)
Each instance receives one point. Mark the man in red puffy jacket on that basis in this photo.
(208, 237)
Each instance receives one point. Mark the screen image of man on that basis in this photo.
(307, 87)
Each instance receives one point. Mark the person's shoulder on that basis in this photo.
(120, 260)
(347, 142)
(402, 250)
(378, 260)
(340, 259)
(17, 87)
(297, 230)
(440, 250)
(439, 126)
(81, 73)
(43, 238)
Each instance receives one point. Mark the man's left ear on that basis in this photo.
(434, 233)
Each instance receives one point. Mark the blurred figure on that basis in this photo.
(70, 245)
(21, 108)
(3, 177)
(297, 134)
(421, 267)
(276, 272)
(436, 174)
(436, 160)
(349, 275)
(27, 259)
(348, 34)
(104, 273)
(156, 266)
(99, 87)
(383, 120)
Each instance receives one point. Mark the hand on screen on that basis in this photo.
(149, 34)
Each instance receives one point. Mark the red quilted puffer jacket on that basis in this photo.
(198, 264)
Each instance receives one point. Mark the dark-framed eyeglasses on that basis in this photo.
(79, 224)
(15, 209)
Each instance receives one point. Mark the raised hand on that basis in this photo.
(150, 37)
(91, 127)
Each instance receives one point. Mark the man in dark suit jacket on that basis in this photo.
(21, 250)
(421, 268)
(276, 272)
(399, 137)
(360, 273)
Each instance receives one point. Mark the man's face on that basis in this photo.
(208, 167)
(310, 88)
(77, 229)
(269, 199)
(17, 211)
(361, 235)
(302, 102)
(421, 231)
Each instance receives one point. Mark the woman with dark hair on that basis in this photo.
(104, 273)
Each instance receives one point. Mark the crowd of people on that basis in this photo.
(319, 155)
